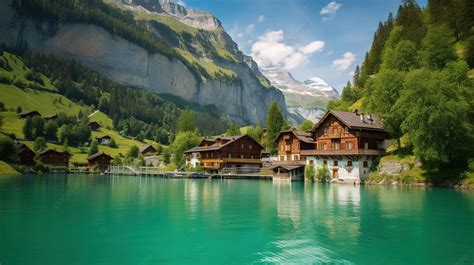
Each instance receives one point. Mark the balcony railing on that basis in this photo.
(343, 152)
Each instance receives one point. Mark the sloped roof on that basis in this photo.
(217, 146)
(143, 148)
(103, 137)
(287, 167)
(353, 120)
(54, 151)
(300, 135)
(21, 147)
(94, 156)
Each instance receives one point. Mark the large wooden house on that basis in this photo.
(100, 160)
(55, 158)
(291, 142)
(214, 154)
(347, 143)
(26, 156)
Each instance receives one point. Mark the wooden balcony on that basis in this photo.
(242, 160)
(314, 152)
(290, 162)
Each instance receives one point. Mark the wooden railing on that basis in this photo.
(343, 152)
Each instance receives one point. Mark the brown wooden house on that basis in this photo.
(99, 159)
(55, 158)
(27, 114)
(347, 143)
(291, 142)
(214, 154)
(147, 150)
(26, 156)
(94, 125)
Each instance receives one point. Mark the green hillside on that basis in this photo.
(47, 102)
(418, 76)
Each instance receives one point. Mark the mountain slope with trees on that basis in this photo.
(418, 77)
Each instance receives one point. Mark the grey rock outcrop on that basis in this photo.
(244, 102)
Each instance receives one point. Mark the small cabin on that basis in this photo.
(104, 140)
(291, 142)
(99, 159)
(55, 158)
(28, 114)
(94, 125)
(147, 150)
(288, 172)
(26, 156)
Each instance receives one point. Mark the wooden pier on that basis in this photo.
(240, 173)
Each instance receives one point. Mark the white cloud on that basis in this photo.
(343, 63)
(329, 11)
(261, 18)
(250, 28)
(270, 50)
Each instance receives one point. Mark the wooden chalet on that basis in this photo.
(104, 140)
(348, 143)
(147, 150)
(214, 154)
(94, 125)
(99, 159)
(27, 114)
(26, 156)
(291, 142)
(55, 158)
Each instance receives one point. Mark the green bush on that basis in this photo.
(309, 173)
(470, 165)
(19, 83)
(40, 167)
(5, 79)
(7, 149)
(323, 173)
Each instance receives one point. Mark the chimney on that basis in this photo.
(356, 111)
(362, 117)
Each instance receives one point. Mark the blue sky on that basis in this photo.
(310, 38)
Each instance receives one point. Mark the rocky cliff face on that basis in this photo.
(244, 101)
(305, 100)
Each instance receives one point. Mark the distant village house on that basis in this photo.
(26, 156)
(147, 150)
(55, 158)
(104, 140)
(100, 160)
(25, 115)
(94, 125)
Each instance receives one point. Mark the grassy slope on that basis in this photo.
(48, 104)
(6, 169)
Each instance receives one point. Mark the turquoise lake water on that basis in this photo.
(139, 220)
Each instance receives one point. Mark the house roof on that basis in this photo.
(353, 120)
(98, 154)
(144, 148)
(103, 137)
(51, 117)
(287, 167)
(54, 151)
(21, 147)
(300, 135)
(29, 113)
(217, 146)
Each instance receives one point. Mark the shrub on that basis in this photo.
(40, 167)
(19, 83)
(5, 79)
(309, 172)
(323, 173)
(7, 149)
(470, 165)
(112, 144)
(40, 143)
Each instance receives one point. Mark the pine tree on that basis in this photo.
(28, 129)
(186, 122)
(275, 123)
(93, 148)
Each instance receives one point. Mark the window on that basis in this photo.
(349, 163)
(325, 162)
(230, 155)
(325, 130)
(366, 145)
(252, 156)
(207, 155)
(349, 145)
(379, 145)
(241, 156)
(346, 129)
(243, 146)
(250, 146)
(366, 163)
(335, 163)
(336, 146)
(325, 147)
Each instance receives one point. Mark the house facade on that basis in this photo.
(348, 143)
(104, 140)
(291, 142)
(100, 160)
(215, 154)
(26, 156)
(55, 158)
(147, 150)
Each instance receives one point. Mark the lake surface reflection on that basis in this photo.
(77, 219)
